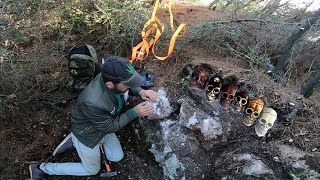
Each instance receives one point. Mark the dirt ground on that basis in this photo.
(31, 130)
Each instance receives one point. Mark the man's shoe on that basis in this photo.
(36, 173)
(64, 146)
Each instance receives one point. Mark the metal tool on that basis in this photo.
(107, 173)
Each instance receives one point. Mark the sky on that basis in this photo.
(302, 3)
(299, 3)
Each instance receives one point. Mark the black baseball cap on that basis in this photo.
(119, 69)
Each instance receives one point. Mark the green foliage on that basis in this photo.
(122, 21)
(110, 22)
(34, 35)
(268, 9)
(238, 7)
(298, 173)
(234, 33)
(256, 60)
(3, 53)
(232, 39)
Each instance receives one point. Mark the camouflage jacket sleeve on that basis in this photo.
(110, 123)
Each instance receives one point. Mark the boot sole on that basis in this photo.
(30, 169)
(61, 144)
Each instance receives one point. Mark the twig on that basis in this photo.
(261, 21)
(308, 73)
(104, 10)
(225, 159)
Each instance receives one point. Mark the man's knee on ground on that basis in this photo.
(93, 170)
(116, 157)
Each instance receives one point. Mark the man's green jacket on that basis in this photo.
(97, 113)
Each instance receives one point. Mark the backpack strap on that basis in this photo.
(93, 53)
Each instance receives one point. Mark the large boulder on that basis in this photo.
(192, 138)
(180, 140)
(209, 128)
(242, 166)
(299, 164)
(178, 153)
(163, 108)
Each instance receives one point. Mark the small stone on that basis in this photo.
(55, 75)
(145, 164)
(314, 149)
(11, 96)
(291, 104)
(34, 126)
(290, 140)
(64, 135)
(256, 168)
(276, 158)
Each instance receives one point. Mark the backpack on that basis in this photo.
(82, 66)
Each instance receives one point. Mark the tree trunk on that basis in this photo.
(213, 5)
(283, 60)
(307, 89)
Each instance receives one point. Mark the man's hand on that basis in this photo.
(148, 94)
(143, 109)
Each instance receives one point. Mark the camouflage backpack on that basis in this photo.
(82, 66)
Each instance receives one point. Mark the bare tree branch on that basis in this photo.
(259, 21)
(307, 90)
(283, 60)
